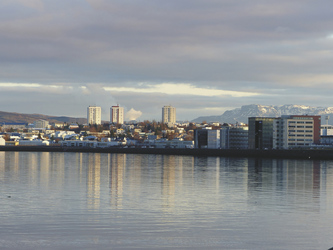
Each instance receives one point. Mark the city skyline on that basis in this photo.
(203, 57)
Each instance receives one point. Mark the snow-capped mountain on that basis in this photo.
(254, 110)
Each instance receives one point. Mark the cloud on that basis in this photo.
(132, 114)
(180, 89)
(200, 56)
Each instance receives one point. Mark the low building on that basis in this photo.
(92, 144)
(293, 131)
(2, 141)
(13, 125)
(207, 138)
(33, 143)
(41, 124)
(326, 140)
(234, 137)
(326, 130)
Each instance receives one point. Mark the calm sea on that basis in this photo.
(124, 201)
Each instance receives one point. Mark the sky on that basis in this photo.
(57, 57)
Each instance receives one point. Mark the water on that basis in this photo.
(119, 201)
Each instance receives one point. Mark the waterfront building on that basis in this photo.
(292, 131)
(234, 137)
(261, 132)
(94, 115)
(117, 114)
(207, 138)
(326, 130)
(169, 115)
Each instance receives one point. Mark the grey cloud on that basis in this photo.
(233, 45)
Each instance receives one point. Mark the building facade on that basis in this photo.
(234, 137)
(292, 131)
(117, 115)
(41, 124)
(207, 138)
(13, 125)
(169, 115)
(261, 132)
(94, 115)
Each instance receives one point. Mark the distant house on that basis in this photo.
(13, 125)
(2, 141)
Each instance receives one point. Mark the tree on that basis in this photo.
(6, 137)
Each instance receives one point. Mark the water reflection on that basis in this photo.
(174, 195)
(295, 178)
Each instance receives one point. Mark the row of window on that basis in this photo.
(300, 140)
(298, 144)
(301, 131)
(301, 122)
(300, 135)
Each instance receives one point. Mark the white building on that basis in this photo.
(213, 139)
(326, 130)
(41, 124)
(169, 115)
(2, 141)
(296, 131)
(94, 115)
(117, 114)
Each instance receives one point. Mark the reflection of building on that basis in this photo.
(94, 181)
(94, 115)
(261, 132)
(168, 180)
(117, 172)
(300, 181)
(169, 115)
(296, 131)
(117, 114)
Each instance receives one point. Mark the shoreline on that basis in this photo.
(312, 154)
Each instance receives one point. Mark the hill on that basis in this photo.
(9, 117)
(254, 110)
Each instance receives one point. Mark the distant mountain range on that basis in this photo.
(9, 117)
(255, 110)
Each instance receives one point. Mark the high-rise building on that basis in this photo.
(290, 131)
(94, 115)
(169, 115)
(117, 114)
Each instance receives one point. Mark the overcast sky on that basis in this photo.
(203, 57)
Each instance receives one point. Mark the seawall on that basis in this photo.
(318, 154)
